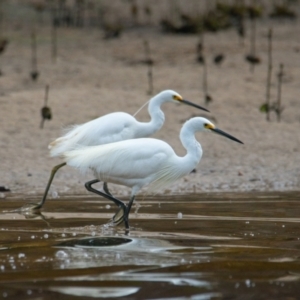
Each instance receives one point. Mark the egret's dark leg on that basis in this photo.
(105, 188)
(130, 204)
(119, 216)
(126, 214)
(42, 202)
(88, 186)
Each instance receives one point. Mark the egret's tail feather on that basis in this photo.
(64, 143)
(59, 146)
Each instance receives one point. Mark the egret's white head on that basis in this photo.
(172, 96)
(207, 125)
(202, 124)
(169, 95)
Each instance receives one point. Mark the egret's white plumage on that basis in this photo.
(117, 126)
(146, 161)
(111, 128)
(133, 163)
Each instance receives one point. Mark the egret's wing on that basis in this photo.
(107, 129)
(133, 160)
(130, 162)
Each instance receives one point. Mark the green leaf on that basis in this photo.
(264, 108)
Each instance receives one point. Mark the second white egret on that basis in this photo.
(140, 162)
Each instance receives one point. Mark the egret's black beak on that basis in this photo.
(193, 104)
(221, 132)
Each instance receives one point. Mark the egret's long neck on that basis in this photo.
(157, 118)
(189, 142)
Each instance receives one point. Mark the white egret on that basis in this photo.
(136, 163)
(113, 127)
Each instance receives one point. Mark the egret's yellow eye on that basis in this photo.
(209, 126)
(176, 97)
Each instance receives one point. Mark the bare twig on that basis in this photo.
(1, 19)
(134, 12)
(200, 45)
(33, 47)
(253, 41)
(147, 50)
(269, 75)
(279, 108)
(3, 41)
(241, 30)
(45, 111)
(149, 62)
(204, 81)
(201, 58)
(148, 13)
(46, 94)
(54, 42)
(34, 73)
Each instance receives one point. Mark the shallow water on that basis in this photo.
(208, 246)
